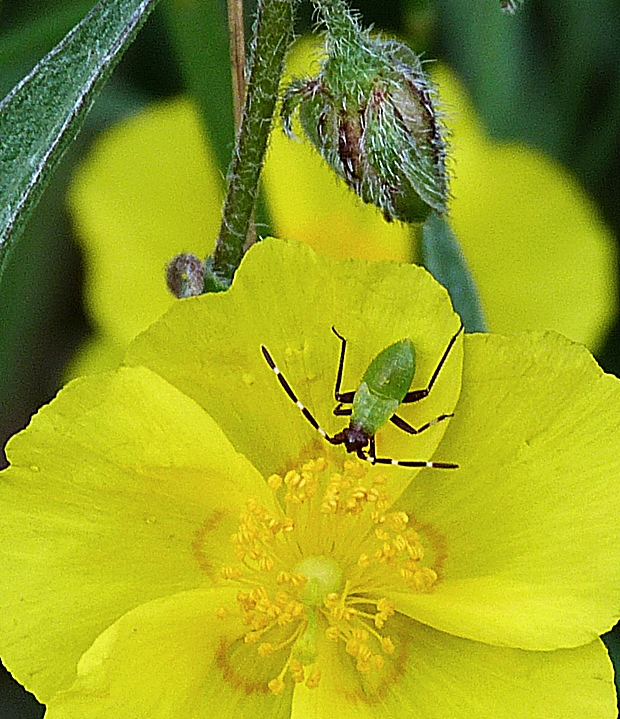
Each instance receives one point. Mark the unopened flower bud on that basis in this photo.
(371, 114)
(185, 276)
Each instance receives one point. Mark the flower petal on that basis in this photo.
(530, 520)
(115, 494)
(445, 676)
(162, 661)
(540, 253)
(287, 298)
(148, 191)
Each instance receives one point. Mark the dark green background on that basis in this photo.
(549, 76)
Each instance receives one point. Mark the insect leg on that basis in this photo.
(406, 427)
(371, 457)
(343, 397)
(287, 388)
(417, 394)
(341, 411)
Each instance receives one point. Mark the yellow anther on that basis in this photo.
(398, 521)
(298, 580)
(360, 634)
(379, 479)
(387, 645)
(231, 572)
(363, 653)
(271, 610)
(313, 681)
(274, 482)
(424, 579)
(297, 671)
(252, 637)
(265, 650)
(372, 495)
(362, 666)
(386, 606)
(332, 633)
(276, 686)
(401, 544)
(363, 561)
(415, 551)
(331, 600)
(291, 478)
(381, 534)
(259, 622)
(343, 613)
(221, 612)
(265, 564)
(298, 609)
(258, 594)
(383, 503)
(352, 647)
(388, 551)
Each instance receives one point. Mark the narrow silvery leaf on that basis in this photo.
(43, 113)
(443, 258)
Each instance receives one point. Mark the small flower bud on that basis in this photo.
(185, 276)
(371, 114)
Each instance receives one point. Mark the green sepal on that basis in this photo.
(444, 259)
(43, 113)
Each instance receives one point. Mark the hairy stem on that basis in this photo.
(273, 33)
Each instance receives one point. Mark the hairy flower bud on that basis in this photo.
(185, 276)
(371, 114)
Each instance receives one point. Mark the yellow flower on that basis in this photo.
(178, 542)
(541, 257)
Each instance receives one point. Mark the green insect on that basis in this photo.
(384, 387)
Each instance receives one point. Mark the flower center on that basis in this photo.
(323, 576)
(322, 571)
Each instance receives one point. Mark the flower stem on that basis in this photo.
(340, 21)
(273, 33)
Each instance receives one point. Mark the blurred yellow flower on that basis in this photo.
(539, 253)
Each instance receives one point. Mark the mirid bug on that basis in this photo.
(384, 387)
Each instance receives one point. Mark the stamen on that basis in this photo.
(293, 565)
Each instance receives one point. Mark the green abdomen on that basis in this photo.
(370, 410)
(384, 386)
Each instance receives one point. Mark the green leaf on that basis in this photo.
(43, 113)
(443, 258)
(39, 35)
